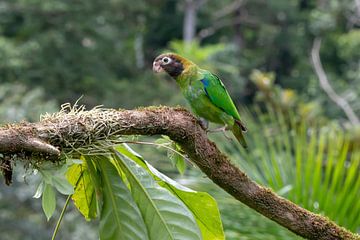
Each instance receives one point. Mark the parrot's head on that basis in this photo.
(171, 63)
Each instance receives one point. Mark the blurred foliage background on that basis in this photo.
(302, 144)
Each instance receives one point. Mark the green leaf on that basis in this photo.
(165, 216)
(74, 161)
(62, 185)
(48, 201)
(55, 176)
(202, 205)
(164, 140)
(173, 153)
(84, 196)
(120, 216)
(180, 163)
(39, 190)
(177, 159)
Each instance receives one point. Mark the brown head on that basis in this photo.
(171, 63)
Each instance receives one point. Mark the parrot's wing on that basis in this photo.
(218, 94)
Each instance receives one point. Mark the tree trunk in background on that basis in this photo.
(139, 51)
(357, 4)
(238, 27)
(189, 27)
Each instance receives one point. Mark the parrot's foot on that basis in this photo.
(204, 124)
(221, 129)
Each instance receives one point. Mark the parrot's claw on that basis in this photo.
(204, 124)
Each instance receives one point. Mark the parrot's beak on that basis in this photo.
(157, 67)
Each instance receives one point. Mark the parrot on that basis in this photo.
(204, 91)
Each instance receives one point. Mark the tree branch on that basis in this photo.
(325, 85)
(220, 24)
(228, 9)
(357, 5)
(80, 128)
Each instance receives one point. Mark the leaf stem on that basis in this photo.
(61, 217)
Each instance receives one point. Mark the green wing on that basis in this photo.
(218, 94)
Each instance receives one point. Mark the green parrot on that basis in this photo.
(204, 91)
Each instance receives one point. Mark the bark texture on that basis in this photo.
(56, 133)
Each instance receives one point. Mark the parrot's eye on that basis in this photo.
(166, 60)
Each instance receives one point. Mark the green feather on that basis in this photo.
(218, 95)
(209, 98)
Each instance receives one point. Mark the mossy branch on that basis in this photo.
(77, 128)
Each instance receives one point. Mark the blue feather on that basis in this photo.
(206, 84)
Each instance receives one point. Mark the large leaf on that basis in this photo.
(165, 216)
(201, 204)
(120, 217)
(48, 201)
(84, 196)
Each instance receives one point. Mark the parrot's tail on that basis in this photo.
(237, 130)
